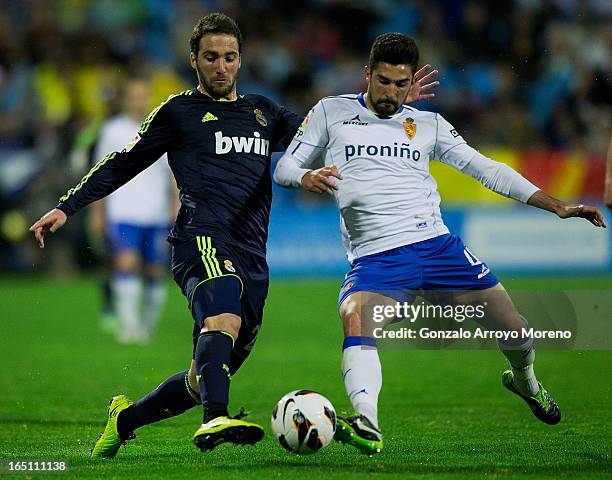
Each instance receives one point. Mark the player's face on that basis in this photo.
(388, 86)
(217, 64)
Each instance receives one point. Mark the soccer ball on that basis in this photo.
(304, 421)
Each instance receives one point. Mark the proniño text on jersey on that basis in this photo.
(395, 150)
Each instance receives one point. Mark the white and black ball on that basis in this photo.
(304, 421)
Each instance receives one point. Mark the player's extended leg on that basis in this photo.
(361, 372)
(174, 396)
(501, 314)
(213, 354)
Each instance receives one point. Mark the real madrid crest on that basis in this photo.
(229, 266)
(260, 117)
(410, 127)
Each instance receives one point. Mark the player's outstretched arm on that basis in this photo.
(423, 85)
(502, 179)
(49, 222)
(563, 209)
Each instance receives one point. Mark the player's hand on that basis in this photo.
(592, 214)
(49, 222)
(319, 181)
(420, 89)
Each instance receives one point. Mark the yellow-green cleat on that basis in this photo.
(226, 430)
(541, 404)
(109, 442)
(359, 432)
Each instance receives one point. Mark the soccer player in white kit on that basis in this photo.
(377, 152)
(136, 220)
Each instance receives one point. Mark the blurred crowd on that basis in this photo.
(519, 73)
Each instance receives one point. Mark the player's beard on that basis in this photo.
(215, 91)
(384, 106)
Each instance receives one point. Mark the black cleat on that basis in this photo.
(541, 404)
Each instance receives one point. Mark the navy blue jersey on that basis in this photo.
(219, 152)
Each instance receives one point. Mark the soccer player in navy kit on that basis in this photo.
(219, 146)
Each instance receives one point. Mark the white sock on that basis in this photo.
(521, 360)
(525, 380)
(362, 376)
(154, 300)
(127, 289)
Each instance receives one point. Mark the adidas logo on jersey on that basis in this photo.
(254, 144)
(209, 117)
(354, 121)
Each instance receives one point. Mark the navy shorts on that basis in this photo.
(227, 279)
(442, 263)
(149, 241)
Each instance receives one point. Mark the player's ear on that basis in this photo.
(366, 73)
(193, 60)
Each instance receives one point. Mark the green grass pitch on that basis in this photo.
(444, 413)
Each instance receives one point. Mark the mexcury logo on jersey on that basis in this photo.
(254, 144)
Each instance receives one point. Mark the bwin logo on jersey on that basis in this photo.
(254, 144)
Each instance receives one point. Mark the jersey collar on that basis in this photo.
(361, 100)
(238, 97)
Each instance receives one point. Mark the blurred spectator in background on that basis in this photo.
(608, 188)
(520, 74)
(135, 220)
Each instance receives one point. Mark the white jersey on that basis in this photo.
(146, 199)
(387, 197)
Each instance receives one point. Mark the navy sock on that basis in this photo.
(212, 357)
(173, 397)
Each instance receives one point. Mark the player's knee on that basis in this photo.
(126, 262)
(191, 377)
(350, 313)
(228, 322)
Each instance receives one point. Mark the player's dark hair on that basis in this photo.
(394, 48)
(214, 23)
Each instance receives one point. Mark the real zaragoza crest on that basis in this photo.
(410, 127)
